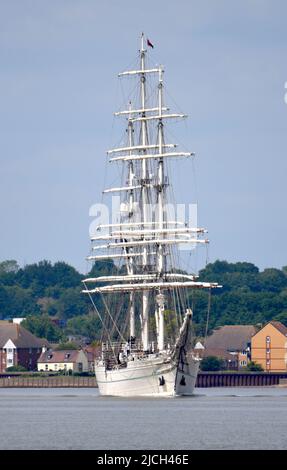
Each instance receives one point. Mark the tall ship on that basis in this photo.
(144, 302)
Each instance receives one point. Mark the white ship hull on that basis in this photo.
(151, 376)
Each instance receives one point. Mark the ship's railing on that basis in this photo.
(121, 346)
(118, 354)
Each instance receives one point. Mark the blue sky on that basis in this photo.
(225, 66)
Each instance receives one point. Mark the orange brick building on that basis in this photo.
(269, 347)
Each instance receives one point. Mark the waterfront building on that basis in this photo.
(232, 343)
(18, 320)
(66, 360)
(269, 347)
(199, 349)
(80, 340)
(18, 346)
(93, 353)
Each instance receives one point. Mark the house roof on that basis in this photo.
(279, 326)
(67, 355)
(21, 337)
(222, 353)
(230, 337)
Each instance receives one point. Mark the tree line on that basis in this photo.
(49, 297)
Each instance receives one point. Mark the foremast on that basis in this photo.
(145, 242)
(130, 261)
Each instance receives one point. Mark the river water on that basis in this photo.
(214, 418)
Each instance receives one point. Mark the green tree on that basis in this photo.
(8, 271)
(18, 368)
(282, 317)
(211, 363)
(65, 346)
(38, 276)
(273, 279)
(254, 367)
(43, 276)
(4, 301)
(72, 303)
(65, 275)
(17, 302)
(44, 289)
(9, 266)
(86, 325)
(170, 325)
(43, 327)
(103, 268)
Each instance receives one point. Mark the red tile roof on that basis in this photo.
(68, 355)
(21, 337)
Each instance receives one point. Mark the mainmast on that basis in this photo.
(160, 190)
(144, 199)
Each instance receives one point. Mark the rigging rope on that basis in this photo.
(99, 315)
(208, 314)
(111, 317)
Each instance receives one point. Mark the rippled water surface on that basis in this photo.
(214, 418)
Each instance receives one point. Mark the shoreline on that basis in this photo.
(204, 380)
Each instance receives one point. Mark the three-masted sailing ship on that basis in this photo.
(147, 348)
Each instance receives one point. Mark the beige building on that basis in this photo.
(269, 347)
(69, 360)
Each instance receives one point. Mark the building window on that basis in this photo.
(10, 361)
(46, 367)
(56, 366)
(267, 339)
(10, 351)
